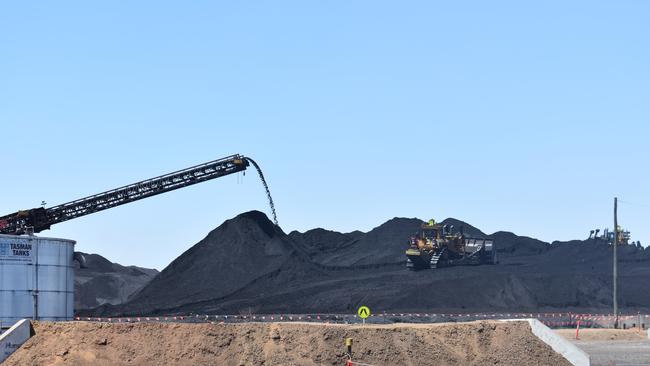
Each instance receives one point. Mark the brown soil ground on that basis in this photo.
(604, 334)
(304, 344)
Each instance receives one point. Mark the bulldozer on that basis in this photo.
(437, 245)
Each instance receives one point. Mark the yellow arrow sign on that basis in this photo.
(363, 312)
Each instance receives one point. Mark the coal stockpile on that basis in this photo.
(103, 282)
(248, 264)
(238, 253)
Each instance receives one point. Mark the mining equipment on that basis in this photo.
(624, 236)
(38, 219)
(37, 273)
(437, 245)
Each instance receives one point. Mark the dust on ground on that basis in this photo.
(596, 334)
(304, 344)
(607, 347)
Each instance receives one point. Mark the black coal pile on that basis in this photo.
(234, 255)
(103, 282)
(513, 245)
(250, 265)
(319, 242)
(380, 246)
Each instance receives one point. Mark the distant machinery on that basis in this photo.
(608, 236)
(438, 245)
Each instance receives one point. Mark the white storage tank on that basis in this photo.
(36, 278)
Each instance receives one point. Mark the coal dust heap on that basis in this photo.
(248, 263)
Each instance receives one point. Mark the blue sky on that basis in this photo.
(509, 115)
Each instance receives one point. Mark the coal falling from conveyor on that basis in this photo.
(266, 187)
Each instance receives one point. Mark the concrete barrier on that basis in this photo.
(13, 338)
(559, 344)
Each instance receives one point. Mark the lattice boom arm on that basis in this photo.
(41, 219)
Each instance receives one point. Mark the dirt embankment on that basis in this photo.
(476, 343)
(604, 334)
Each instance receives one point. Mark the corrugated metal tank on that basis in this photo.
(36, 278)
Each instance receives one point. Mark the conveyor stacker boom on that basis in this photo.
(39, 219)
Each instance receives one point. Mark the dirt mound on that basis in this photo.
(604, 334)
(477, 343)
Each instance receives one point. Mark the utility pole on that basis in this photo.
(615, 269)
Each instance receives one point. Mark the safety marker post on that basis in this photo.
(348, 346)
(577, 328)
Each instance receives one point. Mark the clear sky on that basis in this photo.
(509, 115)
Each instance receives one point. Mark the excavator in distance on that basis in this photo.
(438, 246)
